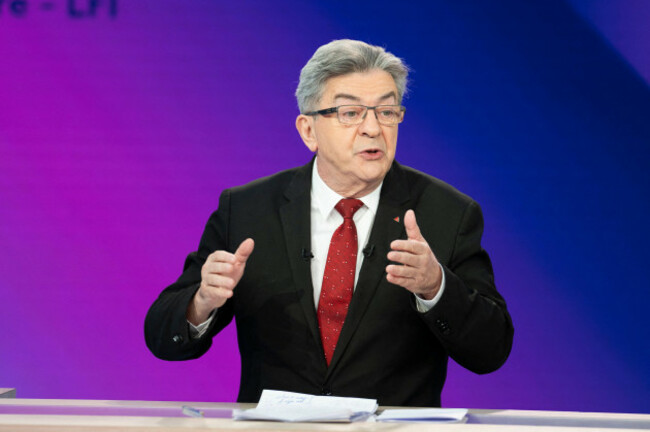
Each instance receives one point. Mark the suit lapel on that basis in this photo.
(385, 229)
(296, 224)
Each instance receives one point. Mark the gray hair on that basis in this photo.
(341, 57)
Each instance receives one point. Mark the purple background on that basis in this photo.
(117, 134)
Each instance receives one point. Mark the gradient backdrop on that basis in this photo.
(121, 123)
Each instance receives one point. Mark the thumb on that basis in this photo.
(244, 250)
(411, 225)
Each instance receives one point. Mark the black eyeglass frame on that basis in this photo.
(335, 109)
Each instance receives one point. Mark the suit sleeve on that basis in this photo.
(166, 329)
(471, 319)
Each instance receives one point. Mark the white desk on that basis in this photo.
(52, 415)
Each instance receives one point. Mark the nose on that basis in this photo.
(370, 125)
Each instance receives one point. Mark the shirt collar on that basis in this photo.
(325, 199)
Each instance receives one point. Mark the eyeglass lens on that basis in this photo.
(355, 114)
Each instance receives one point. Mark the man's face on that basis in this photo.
(353, 159)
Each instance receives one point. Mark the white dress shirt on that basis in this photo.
(325, 219)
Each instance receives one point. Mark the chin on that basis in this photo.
(374, 175)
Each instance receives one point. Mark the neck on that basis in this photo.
(353, 191)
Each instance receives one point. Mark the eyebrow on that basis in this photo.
(357, 99)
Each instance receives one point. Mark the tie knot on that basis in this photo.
(348, 207)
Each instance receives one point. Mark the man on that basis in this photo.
(350, 276)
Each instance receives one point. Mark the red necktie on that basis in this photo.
(338, 279)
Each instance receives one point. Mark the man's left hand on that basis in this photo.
(419, 271)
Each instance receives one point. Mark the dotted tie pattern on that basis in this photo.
(338, 279)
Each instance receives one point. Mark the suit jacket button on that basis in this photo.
(443, 325)
(178, 339)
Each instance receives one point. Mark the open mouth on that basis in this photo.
(371, 154)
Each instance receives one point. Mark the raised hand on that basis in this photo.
(220, 275)
(419, 271)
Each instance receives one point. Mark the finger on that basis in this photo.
(411, 225)
(401, 281)
(213, 293)
(218, 267)
(401, 271)
(219, 281)
(405, 258)
(412, 246)
(221, 256)
(244, 250)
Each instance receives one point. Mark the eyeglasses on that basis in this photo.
(387, 115)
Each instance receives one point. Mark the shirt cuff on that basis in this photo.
(197, 331)
(426, 305)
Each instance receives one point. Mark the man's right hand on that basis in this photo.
(219, 276)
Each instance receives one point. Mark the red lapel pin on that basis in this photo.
(396, 219)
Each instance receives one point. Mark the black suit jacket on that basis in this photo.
(387, 349)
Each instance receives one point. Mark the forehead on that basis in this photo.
(364, 87)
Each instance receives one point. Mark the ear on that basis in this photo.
(305, 126)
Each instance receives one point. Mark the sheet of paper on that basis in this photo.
(298, 407)
(424, 414)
